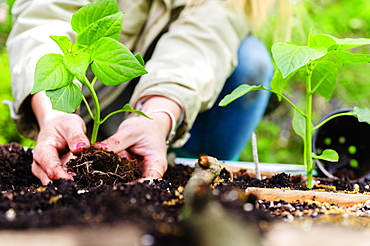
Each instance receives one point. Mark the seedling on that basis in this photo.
(98, 26)
(317, 64)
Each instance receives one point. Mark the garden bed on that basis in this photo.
(152, 213)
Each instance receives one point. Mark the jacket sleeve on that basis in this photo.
(194, 58)
(33, 24)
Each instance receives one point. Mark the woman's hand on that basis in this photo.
(60, 135)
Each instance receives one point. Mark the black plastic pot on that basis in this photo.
(351, 139)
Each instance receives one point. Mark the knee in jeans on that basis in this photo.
(254, 62)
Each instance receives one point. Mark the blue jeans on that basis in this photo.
(224, 132)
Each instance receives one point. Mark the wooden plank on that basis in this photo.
(341, 199)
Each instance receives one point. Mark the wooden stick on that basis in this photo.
(255, 156)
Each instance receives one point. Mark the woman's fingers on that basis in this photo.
(73, 132)
(101, 146)
(56, 140)
(40, 173)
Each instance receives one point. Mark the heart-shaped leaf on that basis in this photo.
(333, 43)
(290, 57)
(65, 99)
(92, 12)
(51, 73)
(109, 26)
(113, 63)
(77, 64)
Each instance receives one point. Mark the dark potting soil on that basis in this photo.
(155, 207)
(90, 201)
(94, 167)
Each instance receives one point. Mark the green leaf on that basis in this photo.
(299, 124)
(77, 64)
(109, 26)
(64, 43)
(92, 12)
(278, 83)
(240, 91)
(325, 72)
(344, 58)
(321, 40)
(75, 49)
(140, 59)
(113, 63)
(362, 113)
(290, 57)
(65, 99)
(333, 43)
(128, 108)
(327, 155)
(51, 73)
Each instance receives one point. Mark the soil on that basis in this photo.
(96, 199)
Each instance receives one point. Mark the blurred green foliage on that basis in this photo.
(8, 129)
(277, 143)
(5, 21)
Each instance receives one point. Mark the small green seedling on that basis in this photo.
(317, 64)
(98, 26)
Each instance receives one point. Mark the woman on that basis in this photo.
(190, 49)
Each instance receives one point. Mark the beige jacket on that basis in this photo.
(189, 65)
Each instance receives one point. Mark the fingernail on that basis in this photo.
(81, 144)
(100, 145)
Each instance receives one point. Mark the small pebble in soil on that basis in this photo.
(147, 240)
(82, 191)
(247, 207)
(133, 200)
(10, 214)
(289, 218)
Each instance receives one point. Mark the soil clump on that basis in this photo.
(94, 167)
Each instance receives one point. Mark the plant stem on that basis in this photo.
(308, 136)
(96, 117)
(330, 118)
(287, 100)
(88, 107)
(113, 113)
